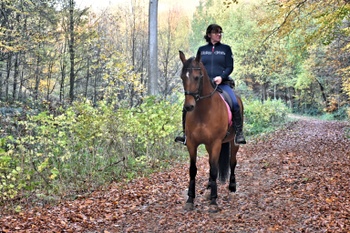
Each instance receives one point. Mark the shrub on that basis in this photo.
(84, 147)
(9, 170)
(341, 113)
(262, 117)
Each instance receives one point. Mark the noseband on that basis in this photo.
(196, 95)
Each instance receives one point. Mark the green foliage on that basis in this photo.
(312, 30)
(346, 80)
(341, 113)
(84, 147)
(9, 170)
(327, 117)
(263, 117)
(309, 110)
(303, 81)
(148, 124)
(88, 144)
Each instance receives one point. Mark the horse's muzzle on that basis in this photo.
(189, 108)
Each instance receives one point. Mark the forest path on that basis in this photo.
(293, 180)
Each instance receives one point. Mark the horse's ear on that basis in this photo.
(182, 57)
(198, 57)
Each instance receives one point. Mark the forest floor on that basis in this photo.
(293, 180)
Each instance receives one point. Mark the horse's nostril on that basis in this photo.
(189, 108)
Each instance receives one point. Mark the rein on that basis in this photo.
(196, 95)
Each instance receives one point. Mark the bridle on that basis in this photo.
(196, 95)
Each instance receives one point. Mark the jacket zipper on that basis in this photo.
(212, 59)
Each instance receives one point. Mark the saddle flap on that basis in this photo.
(229, 112)
(227, 98)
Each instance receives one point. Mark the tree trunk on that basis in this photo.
(49, 80)
(37, 79)
(322, 91)
(63, 69)
(15, 77)
(97, 77)
(71, 51)
(87, 78)
(1, 82)
(8, 72)
(153, 47)
(63, 77)
(21, 93)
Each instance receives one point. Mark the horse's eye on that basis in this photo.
(196, 78)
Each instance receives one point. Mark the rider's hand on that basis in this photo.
(217, 80)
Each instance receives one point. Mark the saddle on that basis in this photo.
(230, 82)
(226, 97)
(224, 94)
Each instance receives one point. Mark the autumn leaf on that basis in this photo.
(292, 180)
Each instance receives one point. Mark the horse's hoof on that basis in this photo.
(189, 206)
(231, 196)
(207, 195)
(213, 209)
(232, 187)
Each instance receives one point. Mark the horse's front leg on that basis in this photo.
(192, 186)
(214, 168)
(233, 162)
(213, 188)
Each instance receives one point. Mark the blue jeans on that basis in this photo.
(229, 90)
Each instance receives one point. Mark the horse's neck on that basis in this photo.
(209, 103)
(208, 96)
(208, 88)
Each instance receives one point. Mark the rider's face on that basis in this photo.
(215, 36)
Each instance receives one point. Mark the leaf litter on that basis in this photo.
(293, 180)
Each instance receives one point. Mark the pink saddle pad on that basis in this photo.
(228, 111)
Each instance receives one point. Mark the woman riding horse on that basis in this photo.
(218, 61)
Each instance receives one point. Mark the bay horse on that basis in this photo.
(207, 122)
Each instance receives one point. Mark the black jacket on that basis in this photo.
(217, 59)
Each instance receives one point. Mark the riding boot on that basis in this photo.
(182, 139)
(238, 121)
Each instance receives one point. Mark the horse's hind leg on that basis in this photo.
(192, 186)
(233, 162)
(207, 192)
(214, 168)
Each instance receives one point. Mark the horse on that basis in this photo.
(207, 122)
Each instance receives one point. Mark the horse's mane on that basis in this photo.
(188, 63)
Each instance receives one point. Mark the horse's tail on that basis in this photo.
(224, 162)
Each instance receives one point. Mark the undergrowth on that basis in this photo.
(48, 156)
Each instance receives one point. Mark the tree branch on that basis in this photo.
(285, 20)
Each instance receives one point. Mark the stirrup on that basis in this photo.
(181, 139)
(239, 138)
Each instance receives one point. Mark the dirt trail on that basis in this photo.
(294, 180)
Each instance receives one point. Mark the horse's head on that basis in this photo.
(192, 79)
